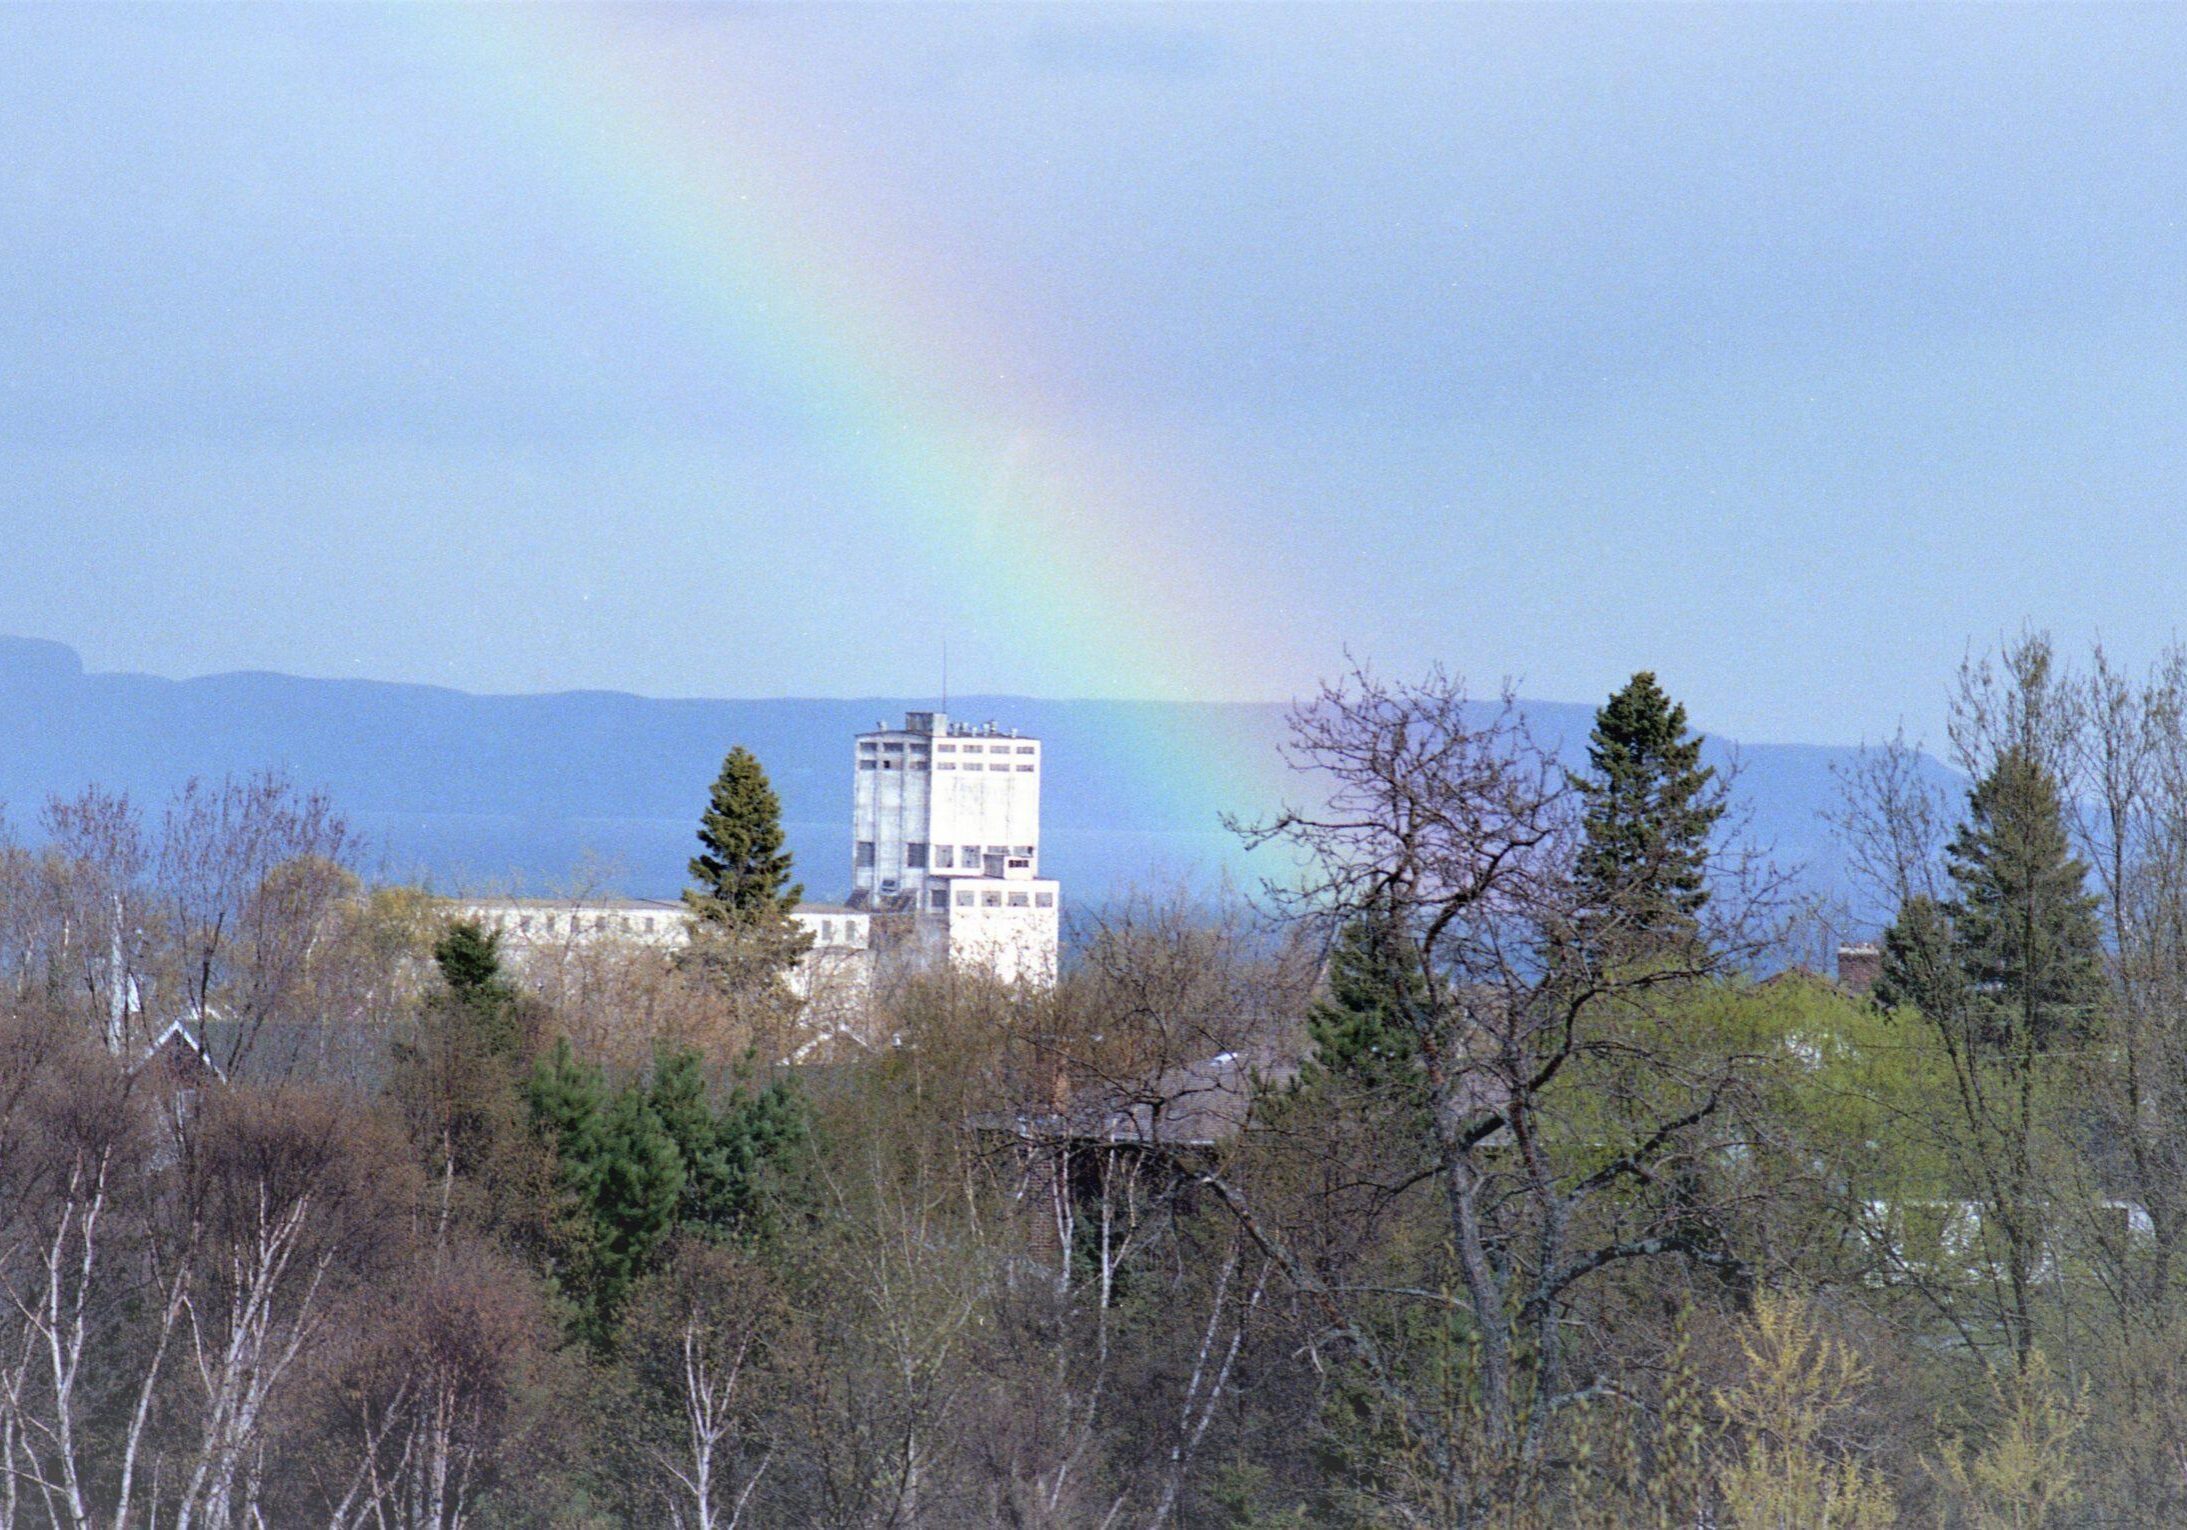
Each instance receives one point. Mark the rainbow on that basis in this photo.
(877, 352)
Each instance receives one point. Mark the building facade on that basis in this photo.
(945, 864)
(835, 967)
(945, 828)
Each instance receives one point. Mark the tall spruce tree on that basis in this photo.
(741, 895)
(1651, 806)
(2024, 922)
(741, 874)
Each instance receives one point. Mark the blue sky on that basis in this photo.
(1782, 350)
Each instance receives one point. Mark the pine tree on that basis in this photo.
(457, 1072)
(1651, 806)
(1363, 1027)
(2025, 923)
(741, 873)
(566, 1098)
(637, 1182)
(742, 895)
(726, 1156)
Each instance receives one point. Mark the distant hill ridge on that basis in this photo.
(535, 792)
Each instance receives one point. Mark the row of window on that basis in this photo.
(634, 924)
(551, 924)
(965, 897)
(945, 857)
(893, 746)
(919, 763)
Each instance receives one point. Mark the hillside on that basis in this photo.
(469, 791)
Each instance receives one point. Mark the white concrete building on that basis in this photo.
(945, 862)
(838, 963)
(937, 799)
(945, 826)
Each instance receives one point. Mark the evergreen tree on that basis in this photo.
(741, 874)
(741, 895)
(726, 1156)
(2025, 923)
(457, 1071)
(469, 957)
(566, 1098)
(1921, 962)
(1363, 1028)
(1651, 807)
(637, 1182)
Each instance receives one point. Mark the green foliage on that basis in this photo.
(2024, 921)
(456, 1074)
(469, 958)
(1651, 807)
(726, 1156)
(741, 894)
(637, 1164)
(566, 1096)
(1799, 1379)
(741, 874)
(637, 1181)
(1363, 1028)
(1921, 967)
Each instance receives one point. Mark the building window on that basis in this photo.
(888, 764)
(964, 900)
(944, 857)
(938, 898)
(991, 900)
(894, 746)
(969, 857)
(1027, 749)
(1025, 769)
(647, 922)
(1025, 850)
(915, 856)
(827, 932)
(973, 748)
(945, 748)
(524, 923)
(864, 854)
(1020, 900)
(945, 764)
(868, 765)
(1044, 900)
(974, 765)
(865, 746)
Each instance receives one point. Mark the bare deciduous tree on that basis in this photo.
(1567, 1118)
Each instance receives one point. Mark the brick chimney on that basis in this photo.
(1859, 966)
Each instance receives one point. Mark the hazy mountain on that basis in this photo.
(535, 791)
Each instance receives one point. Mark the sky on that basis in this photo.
(1125, 351)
